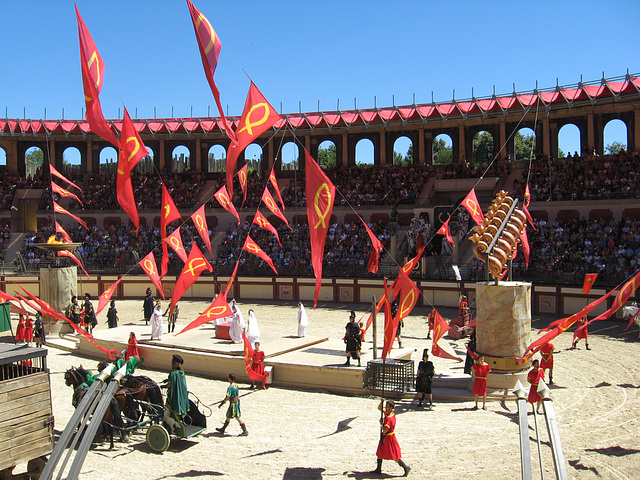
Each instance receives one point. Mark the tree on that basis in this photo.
(525, 146)
(34, 160)
(483, 148)
(398, 159)
(615, 148)
(327, 156)
(442, 153)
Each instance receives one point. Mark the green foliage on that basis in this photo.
(615, 148)
(525, 146)
(442, 154)
(35, 157)
(327, 156)
(483, 148)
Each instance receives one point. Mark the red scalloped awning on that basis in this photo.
(527, 100)
(507, 102)
(406, 112)
(332, 118)
(350, 117)
(572, 94)
(486, 105)
(172, 125)
(596, 90)
(466, 107)
(281, 122)
(67, 126)
(314, 119)
(155, 126)
(387, 114)
(426, 111)
(296, 121)
(207, 125)
(368, 115)
(446, 108)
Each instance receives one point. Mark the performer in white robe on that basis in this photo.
(237, 326)
(253, 332)
(156, 322)
(303, 321)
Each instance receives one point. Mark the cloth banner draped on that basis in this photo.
(105, 296)
(390, 323)
(274, 184)
(372, 264)
(444, 230)
(150, 267)
(470, 202)
(440, 327)
(525, 208)
(231, 279)
(268, 200)
(252, 247)
(526, 248)
(224, 199)
(55, 188)
(193, 267)
(68, 254)
(260, 220)
(169, 213)
(65, 236)
(589, 280)
(175, 242)
(200, 221)
(243, 177)
(409, 294)
(219, 308)
(56, 173)
(58, 209)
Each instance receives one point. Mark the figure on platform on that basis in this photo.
(464, 310)
(132, 347)
(471, 348)
(481, 370)
(362, 332)
(38, 331)
(389, 448)
(173, 317)
(431, 318)
(257, 361)
(581, 333)
(253, 332)
(90, 320)
(177, 404)
(147, 306)
(234, 406)
(20, 330)
(28, 330)
(424, 378)
(303, 320)
(156, 322)
(547, 359)
(237, 325)
(353, 340)
(73, 310)
(112, 315)
(535, 375)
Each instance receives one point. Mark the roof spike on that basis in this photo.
(414, 93)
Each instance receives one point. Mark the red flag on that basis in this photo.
(56, 173)
(169, 213)
(625, 292)
(175, 242)
(271, 205)
(248, 355)
(407, 268)
(390, 323)
(5, 297)
(258, 116)
(67, 253)
(440, 327)
(274, 183)
(527, 195)
(150, 267)
(526, 248)
(224, 199)
(65, 235)
(379, 306)
(219, 308)
(470, 202)
(244, 182)
(58, 209)
(200, 221)
(320, 195)
(132, 150)
(92, 79)
(525, 208)
(252, 247)
(105, 296)
(231, 279)
(589, 280)
(372, 264)
(194, 266)
(64, 193)
(409, 295)
(263, 223)
(444, 230)
(210, 46)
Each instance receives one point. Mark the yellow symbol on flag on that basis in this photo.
(200, 223)
(473, 206)
(148, 264)
(215, 310)
(270, 203)
(94, 58)
(243, 178)
(405, 307)
(193, 266)
(436, 333)
(322, 215)
(212, 35)
(136, 147)
(252, 247)
(176, 244)
(248, 125)
(167, 211)
(223, 199)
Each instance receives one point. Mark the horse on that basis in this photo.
(76, 378)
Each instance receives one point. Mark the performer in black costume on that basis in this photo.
(352, 339)
(424, 377)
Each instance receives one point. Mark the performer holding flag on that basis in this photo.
(389, 448)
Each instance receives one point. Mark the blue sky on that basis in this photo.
(302, 53)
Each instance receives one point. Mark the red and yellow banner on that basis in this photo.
(372, 264)
(219, 308)
(131, 151)
(589, 280)
(105, 296)
(470, 202)
(224, 199)
(168, 213)
(55, 188)
(248, 355)
(200, 221)
(252, 247)
(274, 184)
(56, 173)
(390, 323)
(444, 230)
(193, 267)
(260, 220)
(68, 254)
(65, 236)
(58, 209)
(243, 177)
(148, 264)
(175, 242)
(268, 200)
(440, 327)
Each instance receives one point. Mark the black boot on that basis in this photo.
(244, 430)
(405, 467)
(348, 362)
(359, 362)
(587, 346)
(378, 469)
(223, 428)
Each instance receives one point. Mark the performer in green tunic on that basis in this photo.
(234, 406)
(177, 404)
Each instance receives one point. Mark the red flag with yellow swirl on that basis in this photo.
(55, 188)
(63, 232)
(248, 356)
(168, 213)
(268, 200)
(150, 267)
(408, 297)
(224, 199)
(56, 173)
(252, 247)
(440, 327)
(200, 221)
(193, 267)
(470, 202)
(219, 308)
(320, 195)
(444, 230)
(390, 323)
(67, 253)
(372, 264)
(257, 117)
(274, 184)
(105, 296)
(58, 209)
(175, 242)
(243, 177)
(260, 220)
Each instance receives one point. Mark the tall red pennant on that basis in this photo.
(105, 296)
(169, 213)
(525, 208)
(440, 327)
(150, 267)
(274, 183)
(65, 236)
(92, 80)
(219, 308)
(444, 230)
(258, 116)
(589, 280)
(470, 202)
(224, 199)
(407, 268)
(132, 150)
(210, 46)
(68, 254)
(252, 247)
(526, 248)
(268, 200)
(408, 297)
(175, 242)
(58, 209)
(200, 221)
(194, 266)
(231, 279)
(625, 292)
(55, 188)
(243, 176)
(320, 195)
(390, 324)
(260, 220)
(56, 173)
(372, 264)
(248, 355)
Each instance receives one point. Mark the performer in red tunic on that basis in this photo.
(132, 347)
(432, 321)
(20, 329)
(28, 330)
(581, 333)
(481, 369)
(257, 363)
(547, 359)
(389, 448)
(535, 375)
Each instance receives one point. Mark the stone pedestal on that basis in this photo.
(503, 330)
(57, 286)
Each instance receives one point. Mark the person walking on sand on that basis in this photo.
(156, 322)
(132, 347)
(424, 378)
(535, 375)
(237, 325)
(112, 315)
(389, 448)
(547, 359)
(581, 332)
(234, 407)
(481, 369)
(303, 321)
(147, 306)
(173, 317)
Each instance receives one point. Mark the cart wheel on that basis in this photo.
(35, 467)
(158, 438)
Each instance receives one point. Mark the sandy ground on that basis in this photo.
(305, 435)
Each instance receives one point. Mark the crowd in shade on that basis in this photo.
(5, 235)
(466, 170)
(9, 183)
(590, 177)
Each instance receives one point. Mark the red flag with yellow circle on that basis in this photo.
(132, 150)
(274, 184)
(150, 267)
(224, 199)
(175, 242)
(470, 202)
(260, 220)
(200, 221)
(252, 247)
(243, 177)
(268, 200)
(444, 230)
(193, 267)
(105, 296)
(219, 308)
(440, 327)
(168, 213)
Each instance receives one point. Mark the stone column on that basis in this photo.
(57, 286)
